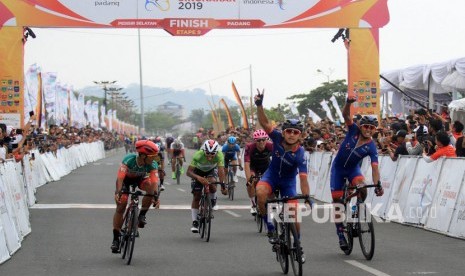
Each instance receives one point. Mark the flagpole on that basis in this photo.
(251, 98)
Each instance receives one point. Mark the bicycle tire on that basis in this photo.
(348, 234)
(295, 251)
(230, 183)
(125, 233)
(282, 253)
(208, 219)
(259, 220)
(178, 173)
(132, 234)
(202, 217)
(366, 234)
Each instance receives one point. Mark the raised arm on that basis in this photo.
(262, 119)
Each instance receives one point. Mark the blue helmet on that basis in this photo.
(232, 140)
(293, 123)
(369, 120)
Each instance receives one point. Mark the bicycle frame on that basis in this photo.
(358, 223)
(288, 247)
(206, 212)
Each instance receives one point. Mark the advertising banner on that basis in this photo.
(11, 73)
(189, 17)
(446, 195)
(457, 225)
(420, 196)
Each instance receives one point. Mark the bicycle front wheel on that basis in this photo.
(366, 233)
(178, 173)
(259, 221)
(202, 217)
(132, 234)
(281, 248)
(295, 250)
(208, 219)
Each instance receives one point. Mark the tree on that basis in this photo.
(312, 99)
(197, 117)
(156, 121)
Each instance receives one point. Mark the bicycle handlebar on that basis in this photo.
(139, 193)
(361, 187)
(286, 199)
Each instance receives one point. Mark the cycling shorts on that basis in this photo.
(286, 186)
(196, 186)
(337, 180)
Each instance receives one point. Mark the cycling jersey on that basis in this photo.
(349, 157)
(177, 149)
(168, 141)
(259, 160)
(284, 166)
(230, 152)
(200, 161)
(131, 173)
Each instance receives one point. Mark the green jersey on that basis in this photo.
(132, 170)
(200, 161)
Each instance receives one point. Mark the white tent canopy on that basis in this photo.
(437, 78)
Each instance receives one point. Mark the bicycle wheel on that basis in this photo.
(259, 221)
(178, 173)
(366, 232)
(208, 219)
(230, 183)
(202, 217)
(125, 233)
(132, 234)
(295, 251)
(282, 253)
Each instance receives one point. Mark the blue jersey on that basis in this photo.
(350, 156)
(286, 164)
(230, 152)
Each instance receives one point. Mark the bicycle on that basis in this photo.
(258, 217)
(288, 245)
(230, 180)
(129, 231)
(358, 222)
(177, 169)
(205, 215)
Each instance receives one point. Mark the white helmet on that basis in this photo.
(210, 146)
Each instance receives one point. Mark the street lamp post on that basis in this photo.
(105, 89)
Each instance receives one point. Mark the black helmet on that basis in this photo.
(293, 123)
(369, 120)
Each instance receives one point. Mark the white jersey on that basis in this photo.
(179, 146)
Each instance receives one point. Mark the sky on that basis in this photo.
(284, 62)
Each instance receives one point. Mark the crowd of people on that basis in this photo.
(17, 142)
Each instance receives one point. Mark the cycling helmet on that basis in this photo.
(369, 120)
(146, 147)
(260, 134)
(157, 139)
(176, 142)
(232, 140)
(293, 123)
(210, 146)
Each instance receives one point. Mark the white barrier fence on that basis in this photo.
(18, 184)
(427, 195)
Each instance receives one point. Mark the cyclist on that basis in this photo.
(169, 140)
(357, 144)
(287, 161)
(256, 160)
(177, 152)
(135, 169)
(231, 152)
(160, 159)
(205, 162)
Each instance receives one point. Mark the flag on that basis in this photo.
(313, 115)
(293, 109)
(336, 106)
(230, 121)
(324, 105)
(245, 124)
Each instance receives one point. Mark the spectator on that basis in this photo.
(457, 131)
(444, 148)
(400, 146)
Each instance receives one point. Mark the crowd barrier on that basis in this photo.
(18, 184)
(426, 195)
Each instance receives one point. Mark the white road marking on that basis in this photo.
(232, 213)
(179, 189)
(113, 206)
(422, 272)
(367, 268)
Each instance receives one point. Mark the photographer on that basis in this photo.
(399, 146)
(443, 148)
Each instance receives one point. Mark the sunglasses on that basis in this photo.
(260, 140)
(371, 127)
(210, 153)
(292, 131)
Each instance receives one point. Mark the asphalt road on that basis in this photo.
(72, 232)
